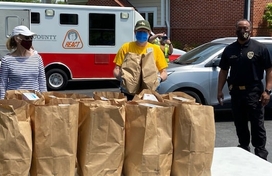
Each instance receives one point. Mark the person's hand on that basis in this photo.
(168, 41)
(220, 98)
(265, 98)
(160, 34)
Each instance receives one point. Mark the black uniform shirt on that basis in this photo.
(247, 62)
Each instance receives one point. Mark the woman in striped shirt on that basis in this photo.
(23, 68)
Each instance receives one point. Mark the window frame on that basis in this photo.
(68, 14)
(147, 10)
(38, 16)
(109, 33)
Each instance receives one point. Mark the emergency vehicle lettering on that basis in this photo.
(72, 44)
(45, 37)
(72, 40)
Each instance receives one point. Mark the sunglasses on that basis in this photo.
(28, 37)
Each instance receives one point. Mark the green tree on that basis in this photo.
(268, 14)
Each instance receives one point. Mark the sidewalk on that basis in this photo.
(226, 136)
(234, 161)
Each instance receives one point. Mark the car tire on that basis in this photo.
(194, 95)
(56, 79)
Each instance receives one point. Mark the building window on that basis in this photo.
(101, 29)
(149, 14)
(71, 19)
(149, 17)
(35, 17)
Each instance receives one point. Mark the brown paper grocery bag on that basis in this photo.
(114, 97)
(18, 94)
(55, 131)
(78, 97)
(149, 72)
(52, 95)
(95, 103)
(131, 72)
(15, 138)
(165, 96)
(101, 139)
(180, 96)
(147, 94)
(148, 149)
(193, 139)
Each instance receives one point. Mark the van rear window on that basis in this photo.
(101, 29)
(71, 19)
(35, 17)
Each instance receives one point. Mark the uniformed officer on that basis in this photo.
(247, 60)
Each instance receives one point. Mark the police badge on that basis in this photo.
(250, 54)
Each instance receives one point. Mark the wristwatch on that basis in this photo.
(268, 91)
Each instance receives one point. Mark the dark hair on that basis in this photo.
(250, 24)
(164, 37)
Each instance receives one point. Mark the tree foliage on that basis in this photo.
(268, 14)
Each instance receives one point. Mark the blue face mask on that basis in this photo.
(141, 36)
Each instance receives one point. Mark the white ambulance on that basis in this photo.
(76, 42)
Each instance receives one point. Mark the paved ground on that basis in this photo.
(226, 134)
(244, 164)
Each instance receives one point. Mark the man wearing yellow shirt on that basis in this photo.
(140, 46)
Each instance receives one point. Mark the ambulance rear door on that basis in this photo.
(9, 18)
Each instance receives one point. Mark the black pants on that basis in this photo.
(246, 107)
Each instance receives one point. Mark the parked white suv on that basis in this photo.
(196, 72)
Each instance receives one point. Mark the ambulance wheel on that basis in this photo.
(57, 79)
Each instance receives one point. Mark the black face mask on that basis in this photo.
(242, 35)
(26, 44)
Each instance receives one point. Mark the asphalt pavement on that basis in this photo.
(226, 134)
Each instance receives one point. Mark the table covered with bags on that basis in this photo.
(68, 134)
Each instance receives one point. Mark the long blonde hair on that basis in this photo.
(11, 43)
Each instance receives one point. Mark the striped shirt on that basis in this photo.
(22, 73)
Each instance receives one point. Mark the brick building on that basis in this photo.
(194, 22)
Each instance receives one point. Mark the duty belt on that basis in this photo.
(237, 87)
(244, 87)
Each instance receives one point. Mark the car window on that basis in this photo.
(199, 54)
